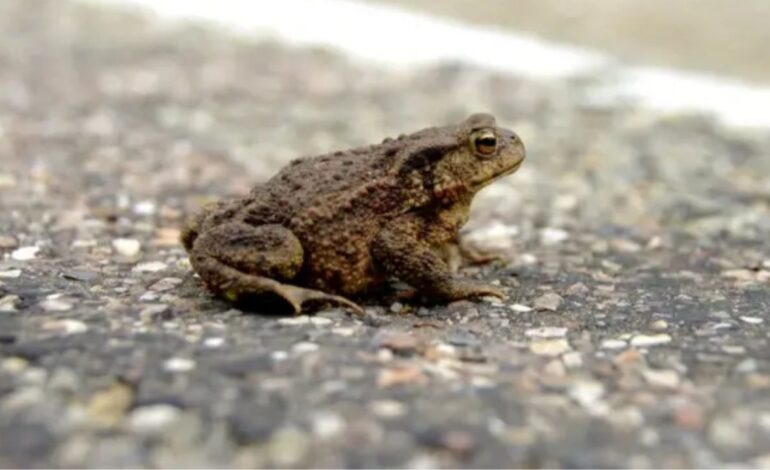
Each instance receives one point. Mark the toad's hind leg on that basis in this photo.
(237, 260)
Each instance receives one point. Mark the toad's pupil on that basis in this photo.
(486, 145)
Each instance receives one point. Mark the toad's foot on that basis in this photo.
(460, 290)
(296, 296)
(466, 289)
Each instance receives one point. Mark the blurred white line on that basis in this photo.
(396, 37)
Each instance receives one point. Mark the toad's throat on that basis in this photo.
(483, 183)
(456, 189)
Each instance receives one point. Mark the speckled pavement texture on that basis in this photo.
(637, 261)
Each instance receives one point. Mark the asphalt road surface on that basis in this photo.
(636, 245)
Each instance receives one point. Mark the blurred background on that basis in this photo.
(722, 37)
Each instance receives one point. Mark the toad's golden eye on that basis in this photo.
(484, 142)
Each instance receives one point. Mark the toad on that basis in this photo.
(337, 226)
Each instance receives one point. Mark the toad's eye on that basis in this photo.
(484, 142)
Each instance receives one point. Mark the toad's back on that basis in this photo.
(337, 188)
(335, 204)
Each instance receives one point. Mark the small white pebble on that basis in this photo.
(279, 355)
(65, 326)
(747, 366)
(549, 347)
(343, 331)
(546, 332)
(752, 320)
(445, 349)
(127, 247)
(396, 307)
(7, 180)
(152, 419)
(76, 244)
(8, 303)
(55, 305)
(520, 308)
(659, 325)
(553, 236)
(25, 253)
(149, 296)
(613, 344)
(150, 267)
(526, 259)
(10, 274)
(586, 392)
(179, 364)
(320, 321)
(387, 408)
(734, 350)
(304, 347)
(650, 340)
(144, 208)
(294, 321)
(572, 359)
(214, 342)
(14, 364)
(661, 378)
(327, 424)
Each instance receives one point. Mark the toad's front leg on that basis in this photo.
(237, 260)
(404, 249)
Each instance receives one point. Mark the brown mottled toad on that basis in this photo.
(338, 225)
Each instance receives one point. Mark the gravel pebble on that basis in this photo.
(519, 308)
(127, 247)
(326, 424)
(613, 344)
(549, 347)
(397, 341)
(153, 419)
(150, 267)
(8, 303)
(304, 347)
(553, 236)
(662, 377)
(305, 320)
(650, 340)
(10, 274)
(56, 304)
(153, 311)
(287, 447)
(213, 342)
(179, 364)
(401, 375)
(66, 326)
(107, 407)
(25, 253)
(166, 284)
(546, 332)
(8, 242)
(550, 302)
(387, 408)
(587, 393)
